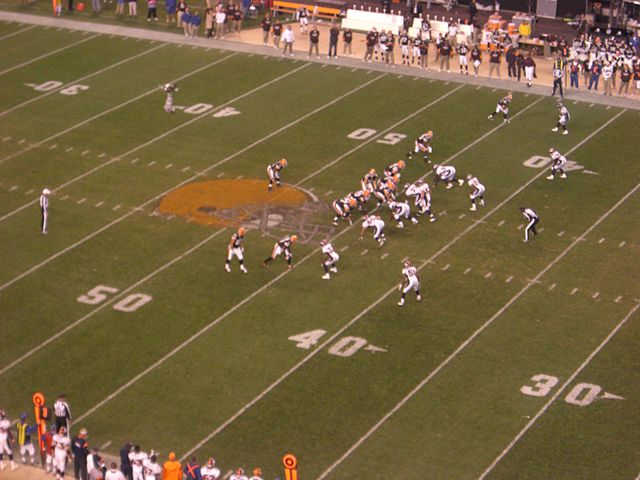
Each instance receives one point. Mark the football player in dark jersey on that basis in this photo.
(404, 42)
(503, 107)
(371, 40)
(274, 170)
(236, 249)
(476, 58)
(422, 144)
(463, 50)
(282, 246)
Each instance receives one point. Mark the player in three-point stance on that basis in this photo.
(422, 145)
(5, 442)
(377, 224)
(401, 210)
(503, 107)
(532, 221)
(44, 210)
(169, 89)
(330, 259)
(559, 161)
(236, 249)
(563, 119)
(410, 281)
(477, 192)
(282, 246)
(274, 171)
(445, 173)
(343, 207)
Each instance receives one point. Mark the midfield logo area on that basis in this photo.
(248, 202)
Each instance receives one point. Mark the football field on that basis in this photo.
(521, 361)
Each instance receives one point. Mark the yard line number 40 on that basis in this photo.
(345, 347)
(128, 304)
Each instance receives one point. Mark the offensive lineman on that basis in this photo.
(169, 89)
(559, 161)
(61, 452)
(423, 145)
(282, 246)
(236, 249)
(477, 192)
(330, 260)
(274, 172)
(377, 224)
(410, 281)
(503, 107)
(445, 173)
(563, 119)
(44, 210)
(343, 207)
(532, 220)
(5, 442)
(401, 210)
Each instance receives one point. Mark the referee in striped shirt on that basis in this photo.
(44, 209)
(532, 221)
(62, 413)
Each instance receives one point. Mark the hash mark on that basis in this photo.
(488, 275)
(595, 295)
(135, 160)
(445, 268)
(15, 187)
(53, 147)
(494, 90)
(328, 193)
(82, 200)
(553, 285)
(384, 255)
(168, 166)
(22, 141)
(85, 152)
(509, 278)
(461, 216)
(368, 72)
(478, 87)
(185, 169)
(6, 139)
(432, 80)
(467, 271)
(338, 68)
(99, 204)
(561, 233)
(354, 69)
(364, 252)
(312, 189)
(575, 102)
(220, 174)
(238, 177)
(573, 292)
(116, 207)
(102, 155)
(324, 65)
(608, 107)
(622, 244)
(415, 78)
(501, 223)
(28, 192)
(618, 298)
(344, 248)
(151, 163)
(227, 475)
(520, 227)
(601, 240)
(447, 83)
(591, 105)
(541, 229)
(526, 95)
(69, 149)
(65, 197)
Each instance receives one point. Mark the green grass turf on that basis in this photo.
(239, 389)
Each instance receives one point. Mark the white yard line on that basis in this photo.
(560, 391)
(77, 322)
(17, 32)
(384, 132)
(98, 72)
(106, 112)
(45, 55)
(475, 334)
(108, 302)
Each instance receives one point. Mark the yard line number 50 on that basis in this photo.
(388, 139)
(128, 304)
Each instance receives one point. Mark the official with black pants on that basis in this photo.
(532, 221)
(557, 80)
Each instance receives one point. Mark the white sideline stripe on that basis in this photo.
(463, 345)
(17, 32)
(107, 303)
(35, 349)
(106, 112)
(375, 137)
(142, 205)
(98, 72)
(560, 391)
(353, 320)
(45, 55)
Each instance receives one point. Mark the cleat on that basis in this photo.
(449, 186)
(418, 298)
(243, 269)
(554, 129)
(550, 177)
(490, 117)
(227, 267)
(566, 132)
(473, 208)
(401, 303)
(482, 203)
(564, 175)
(335, 224)
(414, 220)
(333, 269)
(432, 219)
(460, 182)
(326, 276)
(400, 225)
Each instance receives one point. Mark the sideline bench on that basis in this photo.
(320, 10)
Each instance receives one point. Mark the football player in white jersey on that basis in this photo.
(532, 219)
(343, 207)
(282, 246)
(236, 249)
(401, 210)
(410, 281)
(151, 469)
(477, 192)
(44, 210)
(274, 172)
(257, 474)
(169, 89)
(5, 441)
(61, 452)
(559, 161)
(563, 119)
(423, 145)
(445, 173)
(239, 475)
(421, 193)
(210, 471)
(377, 224)
(137, 458)
(330, 259)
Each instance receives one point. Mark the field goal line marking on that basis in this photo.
(560, 391)
(342, 329)
(144, 204)
(17, 32)
(92, 118)
(57, 335)
(228, 312)
(490, 321)
(45, 55)
(98, 72)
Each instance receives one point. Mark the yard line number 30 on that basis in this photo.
(128, 304)
(582, 394)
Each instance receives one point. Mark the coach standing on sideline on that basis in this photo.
(44, 209)
(532, 221)
(80, 450)
(63, 413)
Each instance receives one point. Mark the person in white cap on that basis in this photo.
(44, 208)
